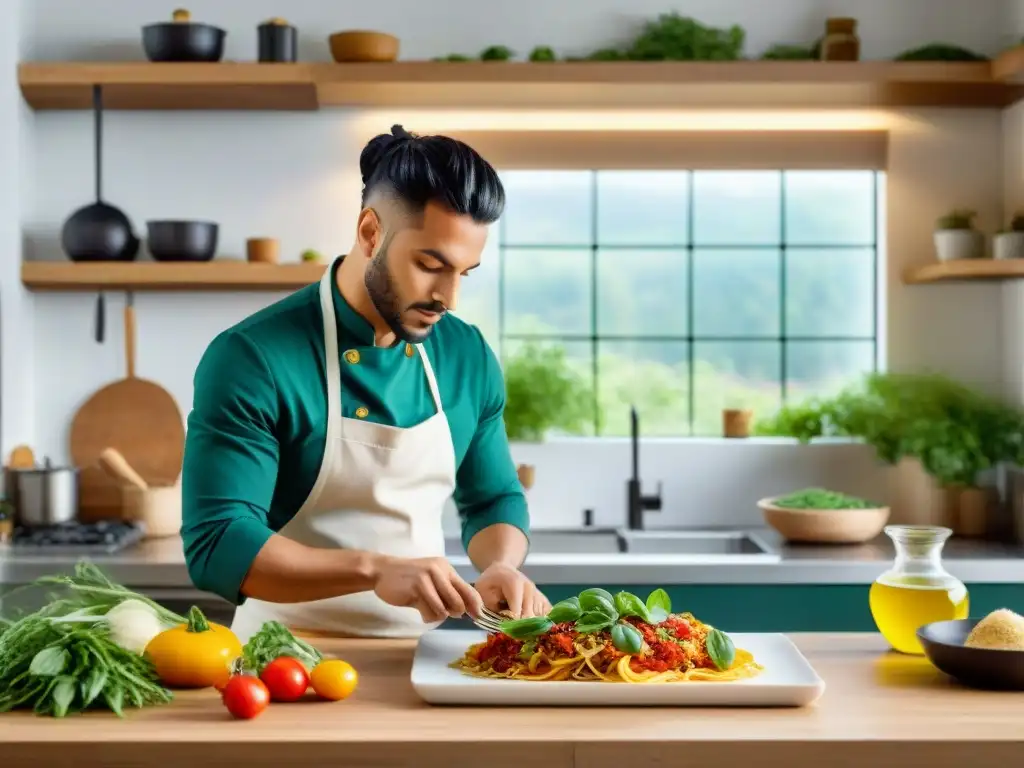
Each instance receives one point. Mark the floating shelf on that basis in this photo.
(217, 275)
(965, 270)
(1008, 67)
(567, 85)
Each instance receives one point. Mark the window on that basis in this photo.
(686, 292)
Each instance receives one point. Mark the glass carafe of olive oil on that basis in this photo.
(917, 589)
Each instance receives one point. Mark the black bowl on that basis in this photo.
(183, 41)
(943, 643)
(182, 240)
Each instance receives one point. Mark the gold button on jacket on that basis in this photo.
(362, 412)
(352, 356)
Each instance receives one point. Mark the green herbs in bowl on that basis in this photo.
(819, 498)
(820, 516)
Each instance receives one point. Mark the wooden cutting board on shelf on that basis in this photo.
(136, 416)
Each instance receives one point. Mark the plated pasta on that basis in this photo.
(600, 637)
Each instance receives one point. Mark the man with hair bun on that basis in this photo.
(329, 430)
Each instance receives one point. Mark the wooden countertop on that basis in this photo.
(879, 709)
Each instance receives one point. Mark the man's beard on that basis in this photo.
(381, 289)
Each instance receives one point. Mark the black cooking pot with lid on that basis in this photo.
(99, 231)
(183, 40)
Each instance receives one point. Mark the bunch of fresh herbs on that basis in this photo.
(57, 662)
(953, 430)
(821, 498)
(272, 640)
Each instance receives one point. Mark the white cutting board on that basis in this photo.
(788, 680)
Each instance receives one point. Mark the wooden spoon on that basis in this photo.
(118, 468)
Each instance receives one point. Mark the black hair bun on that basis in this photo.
(373, 153)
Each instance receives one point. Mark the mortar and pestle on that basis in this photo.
(156, 507)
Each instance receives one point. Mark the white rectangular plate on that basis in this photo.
(788, 680)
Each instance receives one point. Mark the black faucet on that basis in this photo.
(636, 502)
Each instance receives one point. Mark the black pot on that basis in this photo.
(277, 42)
(182, 240)
(183, 41)
(99, 232)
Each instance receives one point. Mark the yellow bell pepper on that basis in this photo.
(196, 654)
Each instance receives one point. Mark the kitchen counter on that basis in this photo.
(161, 563)
(879, 709)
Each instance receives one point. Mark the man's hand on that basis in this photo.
(501, 582)
(428, 584)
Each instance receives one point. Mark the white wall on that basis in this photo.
(231, 168)
(17, 371)
(1013, 199)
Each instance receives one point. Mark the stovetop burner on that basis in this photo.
(102, 537)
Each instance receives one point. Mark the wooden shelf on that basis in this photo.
(965, 270)
(568, 85)
(1008, 67)
(217, 275)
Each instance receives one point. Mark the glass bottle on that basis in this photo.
(917, 589)
(840, 42)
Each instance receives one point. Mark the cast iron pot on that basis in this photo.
(99, 232)
(182, 240)
(183, 41)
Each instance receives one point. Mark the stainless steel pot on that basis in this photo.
(44, 496)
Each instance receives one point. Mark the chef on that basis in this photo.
(329, 430)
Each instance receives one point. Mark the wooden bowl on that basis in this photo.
(986, 668)
(825, 526)
(359, 45)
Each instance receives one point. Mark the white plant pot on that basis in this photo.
(1008, 245)
(958, 244)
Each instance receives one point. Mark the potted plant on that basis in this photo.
(544, 394)
(1009, 243)
(956, 238)
(920, 423)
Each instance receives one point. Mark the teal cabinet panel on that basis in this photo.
(790, 607)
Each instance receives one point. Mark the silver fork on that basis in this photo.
(489, 621)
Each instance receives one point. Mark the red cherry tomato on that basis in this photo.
(245, 696)
(286, 679)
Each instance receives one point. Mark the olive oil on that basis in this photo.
(900, 605)
(917, 589)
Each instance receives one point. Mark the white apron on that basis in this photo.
(381, 489)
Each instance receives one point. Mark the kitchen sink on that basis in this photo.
(698, 545)
(682, 546)
(598, 541)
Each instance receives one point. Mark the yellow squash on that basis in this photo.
(196, 654)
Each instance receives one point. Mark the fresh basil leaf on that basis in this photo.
(629, 604)
(627, 638)
(587, 593)
(594, 602)
(115, 700)
(63, 695)
(93, 685)
(566, 610)
(531, 626)
(659, 600)
(49, 662)
(721, 649)
(594, 622)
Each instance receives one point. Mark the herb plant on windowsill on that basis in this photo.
(544, 394)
